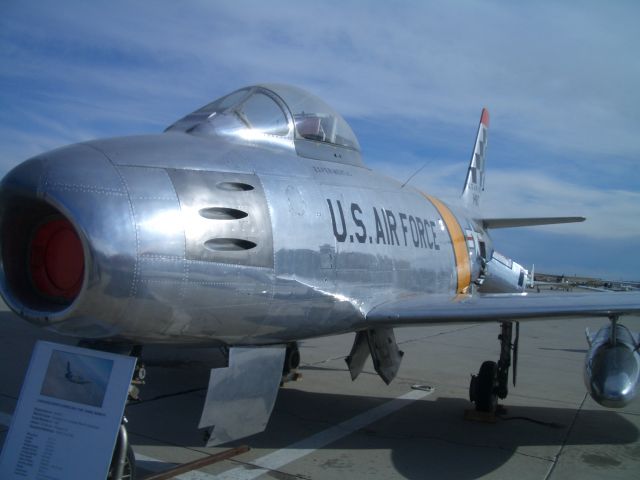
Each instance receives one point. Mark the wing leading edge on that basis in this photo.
(440, 309)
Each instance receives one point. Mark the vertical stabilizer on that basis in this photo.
(474, 184)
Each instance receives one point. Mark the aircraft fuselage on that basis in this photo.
(192, 239)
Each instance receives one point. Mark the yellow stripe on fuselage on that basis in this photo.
(459, 243)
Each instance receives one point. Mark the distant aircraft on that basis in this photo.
(73, 378)
(251, 224)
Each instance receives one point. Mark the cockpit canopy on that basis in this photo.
(278, 116)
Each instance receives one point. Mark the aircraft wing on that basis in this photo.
(438, 309)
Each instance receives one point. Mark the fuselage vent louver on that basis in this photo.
(222, 213)
(235, 186)
(229, 244)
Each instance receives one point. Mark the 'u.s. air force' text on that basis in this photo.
(390, 228)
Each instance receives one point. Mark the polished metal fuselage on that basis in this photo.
(202, 239)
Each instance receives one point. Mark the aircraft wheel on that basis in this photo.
(291, 359)
(482, 390)
(129, 472)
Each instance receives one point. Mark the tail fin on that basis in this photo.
(474, 184)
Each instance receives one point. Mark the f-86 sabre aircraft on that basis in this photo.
(251, 224)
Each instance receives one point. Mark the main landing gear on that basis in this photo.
(291, 363)
(492, 380)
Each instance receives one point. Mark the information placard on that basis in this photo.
(68, 415)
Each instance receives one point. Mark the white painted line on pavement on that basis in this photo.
(295, 451)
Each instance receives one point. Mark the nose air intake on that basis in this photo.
(53, 209)
(42, 256)
(56, 260)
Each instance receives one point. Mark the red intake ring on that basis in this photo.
(56, 259)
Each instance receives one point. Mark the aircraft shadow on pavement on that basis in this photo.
(426, 438)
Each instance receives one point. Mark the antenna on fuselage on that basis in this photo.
(414, 174)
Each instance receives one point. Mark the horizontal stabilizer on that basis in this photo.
(489, 223)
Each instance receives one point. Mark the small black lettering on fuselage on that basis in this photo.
(331, 171)
(381, 226)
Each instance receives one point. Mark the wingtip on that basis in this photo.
(484, 119)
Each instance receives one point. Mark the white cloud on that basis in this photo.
(558, 78)
(611, 214)
(564, 76)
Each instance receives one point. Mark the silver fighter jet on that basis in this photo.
(253, 223)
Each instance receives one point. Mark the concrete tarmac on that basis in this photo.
(325, 426)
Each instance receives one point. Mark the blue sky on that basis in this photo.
(559, 78)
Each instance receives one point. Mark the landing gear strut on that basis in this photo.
(123, 462)
(492, 380)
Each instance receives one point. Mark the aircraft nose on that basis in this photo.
(62, 216)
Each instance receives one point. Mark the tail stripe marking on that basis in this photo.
(459, 243)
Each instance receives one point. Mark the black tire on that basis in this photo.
(291, 359)
(129, 472)
(485, 387)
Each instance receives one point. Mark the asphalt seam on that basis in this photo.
(556, 459)
(439, 334)
(164, 441)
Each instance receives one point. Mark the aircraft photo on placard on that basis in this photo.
(77, 378)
